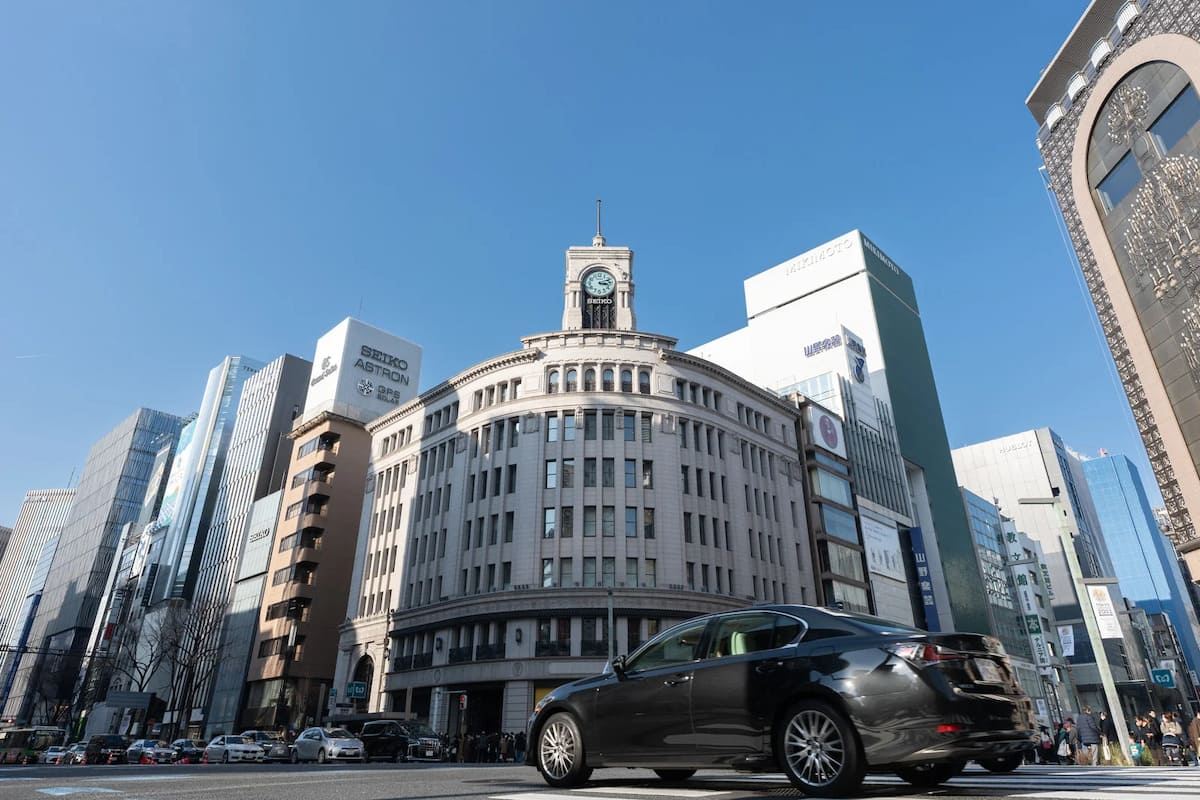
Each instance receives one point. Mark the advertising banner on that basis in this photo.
(1106, 615)
(179, 467)
(883, 548)
(1066, 635)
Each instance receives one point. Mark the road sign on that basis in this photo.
(462, 702)
(356, 690)
(1163, 677)
(332, 696)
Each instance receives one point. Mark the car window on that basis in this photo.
(752, 633)
(340, 733)
(677, 646)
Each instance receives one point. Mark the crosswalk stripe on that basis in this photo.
(653, 791)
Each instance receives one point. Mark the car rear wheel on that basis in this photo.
(560, 754)
(1001, 764)
(674, 775)
(818, 749)
(926, 775)
(321, 756)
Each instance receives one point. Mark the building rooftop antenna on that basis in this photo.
(598, 239)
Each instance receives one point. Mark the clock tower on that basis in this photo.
(598, 292)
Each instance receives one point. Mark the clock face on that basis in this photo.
(599, 283)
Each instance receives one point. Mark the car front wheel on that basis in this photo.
(818, 749)
(321, 756)
(560, 754)
(926, 775)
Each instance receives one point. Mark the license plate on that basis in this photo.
(429, 754)
(988, 671)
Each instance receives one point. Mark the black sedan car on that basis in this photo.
(188, 751)
(822, 695)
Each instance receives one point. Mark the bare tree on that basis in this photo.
(193, 645)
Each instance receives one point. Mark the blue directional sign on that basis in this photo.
(356, 690)
(1163, 677)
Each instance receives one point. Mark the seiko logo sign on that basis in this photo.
(819, 255)
(377, 362)
(600, 301)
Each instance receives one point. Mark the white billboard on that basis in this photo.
(362, 372)
(882, 541)
(827, 430)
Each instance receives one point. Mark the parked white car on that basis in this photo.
(224, 749)
(327, 744)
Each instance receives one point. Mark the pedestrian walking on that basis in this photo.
(1088, 732)
(1110, 743)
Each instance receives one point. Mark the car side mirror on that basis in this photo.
(618, 667)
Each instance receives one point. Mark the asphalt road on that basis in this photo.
(510, 782)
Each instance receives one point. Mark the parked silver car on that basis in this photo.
(154, 750)
(54, 754)
(328, 744)
(224, 749)
(271, 743)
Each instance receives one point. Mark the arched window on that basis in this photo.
(364, 671)
(608, 380)
(589, 380)
(572, 380)
(626, 380)
(644, 381)
(552, 382)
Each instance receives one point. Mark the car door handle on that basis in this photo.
(678, 679)
(763, 667)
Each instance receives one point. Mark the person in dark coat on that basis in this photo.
(1088, 732)
(1108, 737)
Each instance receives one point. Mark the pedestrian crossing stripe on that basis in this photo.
(638, 790)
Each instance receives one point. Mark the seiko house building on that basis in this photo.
(595, 474)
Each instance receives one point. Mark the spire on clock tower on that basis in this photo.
(598, 239)
(598, 292)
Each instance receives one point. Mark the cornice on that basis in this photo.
(445, 387)
(325, 416)
(704, 365)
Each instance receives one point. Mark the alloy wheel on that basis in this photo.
(559, 749)
(814, 747)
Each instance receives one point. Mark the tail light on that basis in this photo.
(921, 653)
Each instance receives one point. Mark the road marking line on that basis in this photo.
(62, 791)
(653, 791)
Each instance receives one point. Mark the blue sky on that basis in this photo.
(185, 181)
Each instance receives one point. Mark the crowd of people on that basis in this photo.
(490, 748)
(1091, 739)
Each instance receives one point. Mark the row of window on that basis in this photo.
(561, 473)
(607, 375)
(560, 522)
(494, 435)
(753, 419)
(703, 438)
(600, 425)
(498, 393)
(277, 646)
(402, 437)
(434, 460)
(697, 394)
(446, 415)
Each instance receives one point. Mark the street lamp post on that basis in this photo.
(1066, 540)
